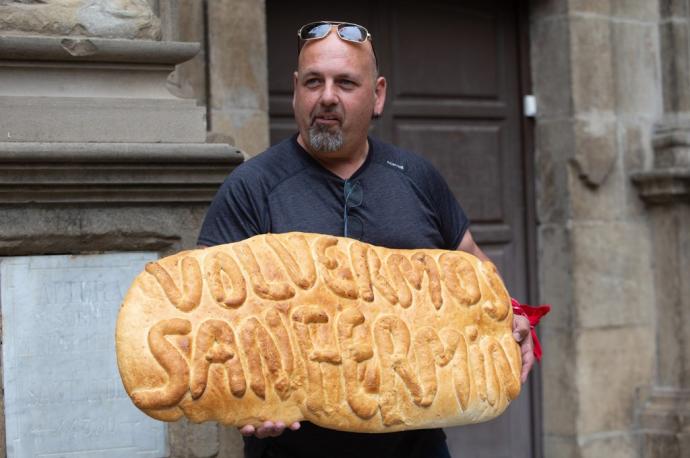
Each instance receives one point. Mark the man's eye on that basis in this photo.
(347, 83)
(312, 82)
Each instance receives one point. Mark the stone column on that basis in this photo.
(230, 75)
(663, 409)
(595, 72)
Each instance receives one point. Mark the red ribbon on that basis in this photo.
(533, 314)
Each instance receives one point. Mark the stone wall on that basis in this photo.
(599, 77)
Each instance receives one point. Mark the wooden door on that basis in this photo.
(453, 71)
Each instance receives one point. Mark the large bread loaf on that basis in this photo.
(298, 326)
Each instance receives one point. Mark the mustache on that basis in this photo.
(327, 114)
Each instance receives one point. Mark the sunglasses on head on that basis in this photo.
(347, 31)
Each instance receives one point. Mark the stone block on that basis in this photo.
(560, 446)
(238, 63)
(130, 19)
(671, 244)
(610, 445)
(238, 72)
(190, 440)
(71, 119)
(551, 67)
(166, 229)
(602, 7)
(596, 148)
(611, 363)
(626, 147)
(189, 78)
(674, 8)
(555, 274)
(231, 443)
(559, 382)
(674, 44)
(636, 62)
(248, 128)
(635, 145)
(62, 391)
(554, 145)
(613, 278)
(592, 70)
(636, 10)
(541, 10)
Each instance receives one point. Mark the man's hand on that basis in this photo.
(268, 429)
(523, 336)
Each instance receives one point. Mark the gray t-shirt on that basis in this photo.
(397, 200)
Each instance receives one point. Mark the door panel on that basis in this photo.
(453, 96)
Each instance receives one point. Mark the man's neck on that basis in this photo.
(341, 163)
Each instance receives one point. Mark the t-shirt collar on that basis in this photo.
(317, 165)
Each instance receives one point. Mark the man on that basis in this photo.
(332, 178)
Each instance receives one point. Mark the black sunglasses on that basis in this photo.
(352, 224)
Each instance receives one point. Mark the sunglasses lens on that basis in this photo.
(352, 32)
(317, 30)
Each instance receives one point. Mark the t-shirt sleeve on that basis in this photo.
(453, 221)
(236, 212)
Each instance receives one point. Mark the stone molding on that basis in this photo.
(668, 181)
(662, 417)
(663, 186)
(95, 50)
(108, 173)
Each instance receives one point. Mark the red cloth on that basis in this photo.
(533, 314)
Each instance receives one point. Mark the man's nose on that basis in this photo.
(329, 95)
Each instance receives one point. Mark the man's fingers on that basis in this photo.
(521, 328)
(268, 429)
(247, 430)
(527, 363)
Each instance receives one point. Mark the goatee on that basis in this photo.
(322, 140)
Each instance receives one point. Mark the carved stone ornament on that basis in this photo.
(131, 19)
(668, 181)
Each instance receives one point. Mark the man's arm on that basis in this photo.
(521, 327)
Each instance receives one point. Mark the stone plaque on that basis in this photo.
(63, 394)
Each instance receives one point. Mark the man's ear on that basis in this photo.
(379, 95)
(294, 88)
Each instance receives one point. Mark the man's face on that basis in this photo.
(336, 94)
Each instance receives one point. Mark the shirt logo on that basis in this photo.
(401, 167)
